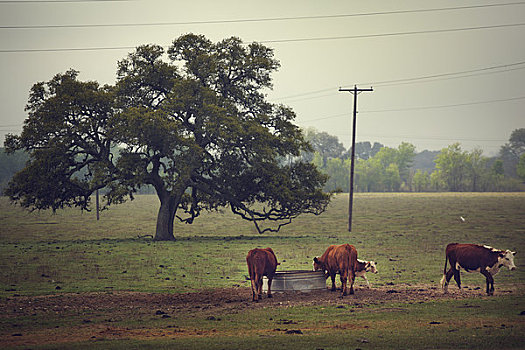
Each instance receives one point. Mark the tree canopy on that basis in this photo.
(196, 126)
(65, 135)
(326, 145)
(381, 168)
(511, 152)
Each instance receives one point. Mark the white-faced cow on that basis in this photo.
(363, 267)
(475, 258)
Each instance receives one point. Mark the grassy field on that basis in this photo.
(45, 254)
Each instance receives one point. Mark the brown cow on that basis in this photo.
(261, 262)
(475, 258)
(341, 259)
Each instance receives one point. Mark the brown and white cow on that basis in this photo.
(363, 267)
(261, 262)
(475, 258)
(342, 260)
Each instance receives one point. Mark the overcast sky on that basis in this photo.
(442, 71)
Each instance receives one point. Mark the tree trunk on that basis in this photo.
(165, 217)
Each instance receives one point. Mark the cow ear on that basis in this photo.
(316, 260)
(501, 255)
(513, 253)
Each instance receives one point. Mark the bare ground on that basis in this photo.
(100, 315)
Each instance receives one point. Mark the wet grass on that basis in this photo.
(485, 323)
(43, 253)
(406, 234)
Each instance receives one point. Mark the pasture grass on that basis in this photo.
(406, 234)
(485, 323)
(44, 253)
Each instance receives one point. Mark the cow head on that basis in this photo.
(371, 267)
(318, 264)
(506, 258)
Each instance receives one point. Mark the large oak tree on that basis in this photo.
(192, 122)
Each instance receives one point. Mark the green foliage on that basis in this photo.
(404, 159)
(365, 150)
(459, 170)
(338, 169)
(65, 137)
(521, 167)
(451, 164)
(390, 170)
(517, 141)
(511, 152)
(327, 146)
(421, 181)
(384, 169)
(387, 170)
(196, 128)
(10, 164)
(497, 168)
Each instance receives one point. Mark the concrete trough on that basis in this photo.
(296, 280)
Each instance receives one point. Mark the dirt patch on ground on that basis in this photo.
(99, 315)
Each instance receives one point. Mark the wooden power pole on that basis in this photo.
(355, 91)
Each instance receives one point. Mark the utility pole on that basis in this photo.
(355, 91)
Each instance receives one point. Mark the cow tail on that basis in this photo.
(250, 269)
(444, 278)
(445, 268)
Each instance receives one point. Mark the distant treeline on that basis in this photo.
(10, 164)
(383, 169)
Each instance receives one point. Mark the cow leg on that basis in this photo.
(254, 288)
(446, 279)
(457, 277)
(259, 286)
(270, 287)
(490, 282)
(351, 281)
(343, 283)
(332, 276)
(366, 280)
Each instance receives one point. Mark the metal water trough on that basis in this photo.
(296, 280)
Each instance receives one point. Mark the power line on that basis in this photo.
(249, 20)
(420, 108)
(382, 35)
(290, 40)
(10, 125)
(58, 1)
(413, 80)
(444, 106)
(430, 80)
(433, 138)
(301, 97)
(70, 49)
(434, 76)
(327, 117)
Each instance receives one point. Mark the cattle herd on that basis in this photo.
(342, 260)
